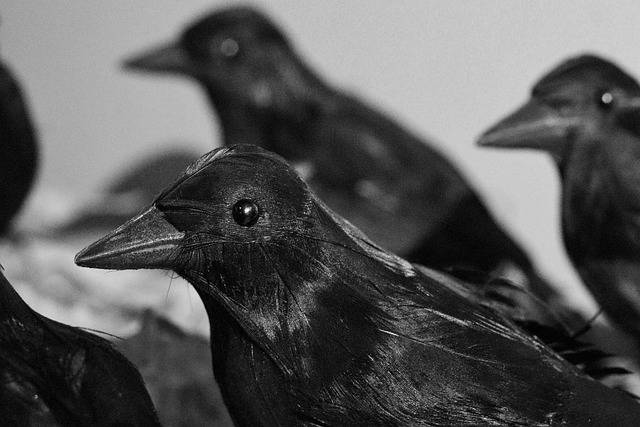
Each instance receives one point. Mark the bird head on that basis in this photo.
(238, 54)
(579, 96)
(227, 197)
(246, 232)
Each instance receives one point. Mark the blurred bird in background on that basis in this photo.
(128, 192)
(586, 114)
(19, 159)
(56, 375)
(399, 190)
(311, 322)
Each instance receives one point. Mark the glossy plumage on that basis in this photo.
(399, 190)
(313, 324)
(19, 148)
(586, 114)
(53, 374)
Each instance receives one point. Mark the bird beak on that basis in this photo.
(628, 106)
(535, 125)
(170, 57)
(147, 241)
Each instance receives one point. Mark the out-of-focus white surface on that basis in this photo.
(445, 69)
(43, 273)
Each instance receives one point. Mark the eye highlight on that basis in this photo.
(245, 212)
(229, 48)
(606, 99)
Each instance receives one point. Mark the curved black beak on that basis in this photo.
(534, 125)
(146, 241)
(169, 57)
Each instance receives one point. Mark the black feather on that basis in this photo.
(55, 374)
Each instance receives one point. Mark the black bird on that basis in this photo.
(57, 375)
(313, 324)
(586, 114)
(396, 188)
(19, 153)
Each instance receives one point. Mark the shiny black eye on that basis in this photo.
(605, 99)
(229, 48)
(245, 212)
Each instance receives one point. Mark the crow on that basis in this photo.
(314, 324)
(586, 114)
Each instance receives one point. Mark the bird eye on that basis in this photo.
(605, 99)
(229, 48)
(245, 212)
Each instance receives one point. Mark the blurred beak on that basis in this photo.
(147, 241)
(535, 125)
(170, 57)
(628, 106)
